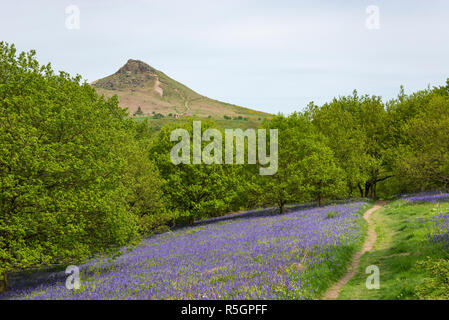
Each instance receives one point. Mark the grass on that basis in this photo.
(329, 273)
(400, 246)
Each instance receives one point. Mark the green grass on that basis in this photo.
(401, 244)
(328, 273)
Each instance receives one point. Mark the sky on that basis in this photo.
(273, 56)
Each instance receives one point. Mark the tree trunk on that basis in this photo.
(282, 208)
(367, 189)
(3, 283)
(361, 190)
(320, 201)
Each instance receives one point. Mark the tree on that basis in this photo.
(424, 160)
(417, 146)
(142, 178)
(322, 176)
(346, 139)
(139, 112)
(287, 185)
(63, 163)
(356, 129)
(198, 190)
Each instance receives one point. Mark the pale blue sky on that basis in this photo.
(274, 56)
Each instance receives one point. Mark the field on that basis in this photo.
(291, 256)
(297, 255)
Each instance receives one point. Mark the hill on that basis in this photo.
(137, 84)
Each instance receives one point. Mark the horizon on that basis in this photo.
(268, 57)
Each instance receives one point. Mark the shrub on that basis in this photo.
(139, 112)
(332, 214)
(157, 223)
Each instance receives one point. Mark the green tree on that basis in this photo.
(63, 162)
(322, 176)
(288, 184)
(138, 112)
(345, 137)
(142, 178)
(415, 148)
(423, 160)
(356, 128)
(198, 190)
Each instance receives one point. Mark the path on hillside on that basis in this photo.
(157, 87)
(186, 105)
(333, 292)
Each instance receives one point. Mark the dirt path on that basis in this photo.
(334, 291)
(157, 87)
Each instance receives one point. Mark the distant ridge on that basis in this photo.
(137, 84)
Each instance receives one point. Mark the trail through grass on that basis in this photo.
(402, 242)
(368, 243)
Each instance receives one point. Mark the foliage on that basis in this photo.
(160, 222)
(424, 160)
(436, 286)
(74, 179)
(307, 168)
(200, 189)
(322, 176)
(355, 128)
(79, 177)
(139, 112)
(332, 214)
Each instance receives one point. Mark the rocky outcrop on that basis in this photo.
(136, 67)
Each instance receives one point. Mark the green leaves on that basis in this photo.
(307, 167)
(422, 157)
(200, 190)
(70, 167)
(355, 127)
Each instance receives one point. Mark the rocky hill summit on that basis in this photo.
(141, 87)
(135, 66)
(132, 75)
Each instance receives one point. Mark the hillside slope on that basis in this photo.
(137, 84)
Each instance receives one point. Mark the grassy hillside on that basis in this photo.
(139, 85)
